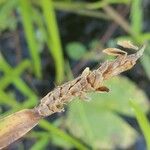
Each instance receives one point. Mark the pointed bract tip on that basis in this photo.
(141, 51)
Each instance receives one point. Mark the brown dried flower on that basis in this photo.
(127, 44)
(88, 81)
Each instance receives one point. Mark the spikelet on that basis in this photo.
(127, 44)
(89, 80)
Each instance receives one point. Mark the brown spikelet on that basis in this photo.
(114, 52)
(89, 80)
(127, 44)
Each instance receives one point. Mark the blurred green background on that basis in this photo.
(44, 43)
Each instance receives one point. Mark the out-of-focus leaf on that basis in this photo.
(121, 91)
(22, 86)
(51, 137)
(41, 144)
(0, 110)
(18, 82)
(15, 73)
(54, 130)
(118, 1)
(146, 36)
(93, 44)
(96, 123)
(41, 33)
(75, 50)
(146, 61)
(143, 122)
(6, 11)
(8, 100)
(112, 43)
(60, 142)
(68, 71)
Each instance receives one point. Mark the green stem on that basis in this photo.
(55, 43)
(45, 125)
(143, 122)
(25, 7)
(84, 12)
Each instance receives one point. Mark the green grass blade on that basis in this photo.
(55, 43)
(24, 88)
(6, 99)
(136, 16)
(41, 144)
(7, 79)
(145, 62)
(4, 66)
(143, 122)
(31, 101)
(6, 10)
(52, 129)
(38, 19)
(25, 7)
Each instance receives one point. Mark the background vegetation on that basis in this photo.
(45, 43)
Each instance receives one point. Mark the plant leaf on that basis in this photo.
(41, 144)
(26, 10)
(145, 60)
(75, 50)
(54, 130)
(143, 122)
(96, 123)
(54, 43)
